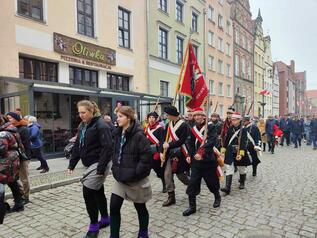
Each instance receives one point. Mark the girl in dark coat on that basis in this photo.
(131, 168)
(94, 147)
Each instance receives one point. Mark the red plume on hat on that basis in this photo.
(199, 111)
(236, 115)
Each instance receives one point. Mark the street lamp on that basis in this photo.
(262, 105)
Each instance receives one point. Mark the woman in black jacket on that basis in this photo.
(94, 147)
(131, 168)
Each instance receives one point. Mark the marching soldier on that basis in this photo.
(236, 152)
(254, 142)
(155, 133)
(218, 127)
(203, 161)
(226, 124)
(176, 153)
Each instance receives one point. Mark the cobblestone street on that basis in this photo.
(280, 202)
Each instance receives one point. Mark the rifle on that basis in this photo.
(216, 107)
(250, 107)
(156, 104)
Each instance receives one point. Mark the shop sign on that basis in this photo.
(93, 55)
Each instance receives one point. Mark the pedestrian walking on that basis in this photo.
(261, 126)
(9, 166)
(131, 169)
(297, 130)
(21, 125)
(36, 143)
(155, 133)
(235, 148)
(313, 126)
(94, 148)
(269, 131)
(176, 153)
(203, 161)
(307, 130)
(285, 126)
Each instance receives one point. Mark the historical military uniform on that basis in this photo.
(176, 154)
(206, 168)
(236, 144)
(155, 134)
(254, 143)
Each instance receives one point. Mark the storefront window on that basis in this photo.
(118, 82)
(52, 112)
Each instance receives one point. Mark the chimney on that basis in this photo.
(293, 66)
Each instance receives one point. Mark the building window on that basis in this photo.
(228, 90)
(37, 69)
(220, 89)
(228, 51)
(211, 13)
(80, 76)
(244, 42)
(210, 38)
(221, 2)
(220, 21)
(237, 37)
(211, 87)
(195, 48)
(249, 70)
(124, 27)
(118, 82)
(220, 44)
(179, 49)
(162, 43)
(164, 88)
(243, 67)
(236, 66)
(194, 22)
(31, 8)
(220, 67)
(210, 62)
(163, 5)
(228, 70)
(228, 28)
(85, 17)
(179, 11)
(221, 110)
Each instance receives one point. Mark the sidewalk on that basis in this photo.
(56, 177)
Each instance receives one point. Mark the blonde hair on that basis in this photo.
(128, 112)
(89, 105)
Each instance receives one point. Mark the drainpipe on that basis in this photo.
(147, 45)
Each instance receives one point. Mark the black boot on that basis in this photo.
(272, 150)
(227, 189)
(264, 147)
(170, 200)
(242, 180)
(2, 204)
(254, 167)
(192, 207)
(164, 190)
(18, 202)
(217, 201)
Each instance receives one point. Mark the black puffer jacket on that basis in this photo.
(97, 146)
(134, 163)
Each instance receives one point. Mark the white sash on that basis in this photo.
(199, 134)
(151, 136)
(234, 136)
(172, 130)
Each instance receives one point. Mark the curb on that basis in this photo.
(49, 186)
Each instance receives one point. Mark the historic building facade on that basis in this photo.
(268, 77)
(170, 23)
(276, 92)
(52, 58)
(243, 48)
(219, 54)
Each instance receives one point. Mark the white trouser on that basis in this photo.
(230, 169)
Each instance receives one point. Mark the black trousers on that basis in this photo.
(209, 174)
(115, 215)
(37, 153)
(96, 202)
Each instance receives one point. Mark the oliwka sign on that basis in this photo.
(90, 54)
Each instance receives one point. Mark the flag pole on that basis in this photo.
(207, 117)
(167, 137)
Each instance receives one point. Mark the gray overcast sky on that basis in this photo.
(292, 27)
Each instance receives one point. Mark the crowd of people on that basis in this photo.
(20, 141)
(191, 147)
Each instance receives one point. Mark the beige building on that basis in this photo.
(55, 53)
(219, 55)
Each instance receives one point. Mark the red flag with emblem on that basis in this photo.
(193, 85)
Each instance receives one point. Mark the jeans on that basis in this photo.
(286, 136)
(37, 153)
(314, 139)
(297, 139)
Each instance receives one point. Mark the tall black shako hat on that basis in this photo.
(152, 114)
(171, 110)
